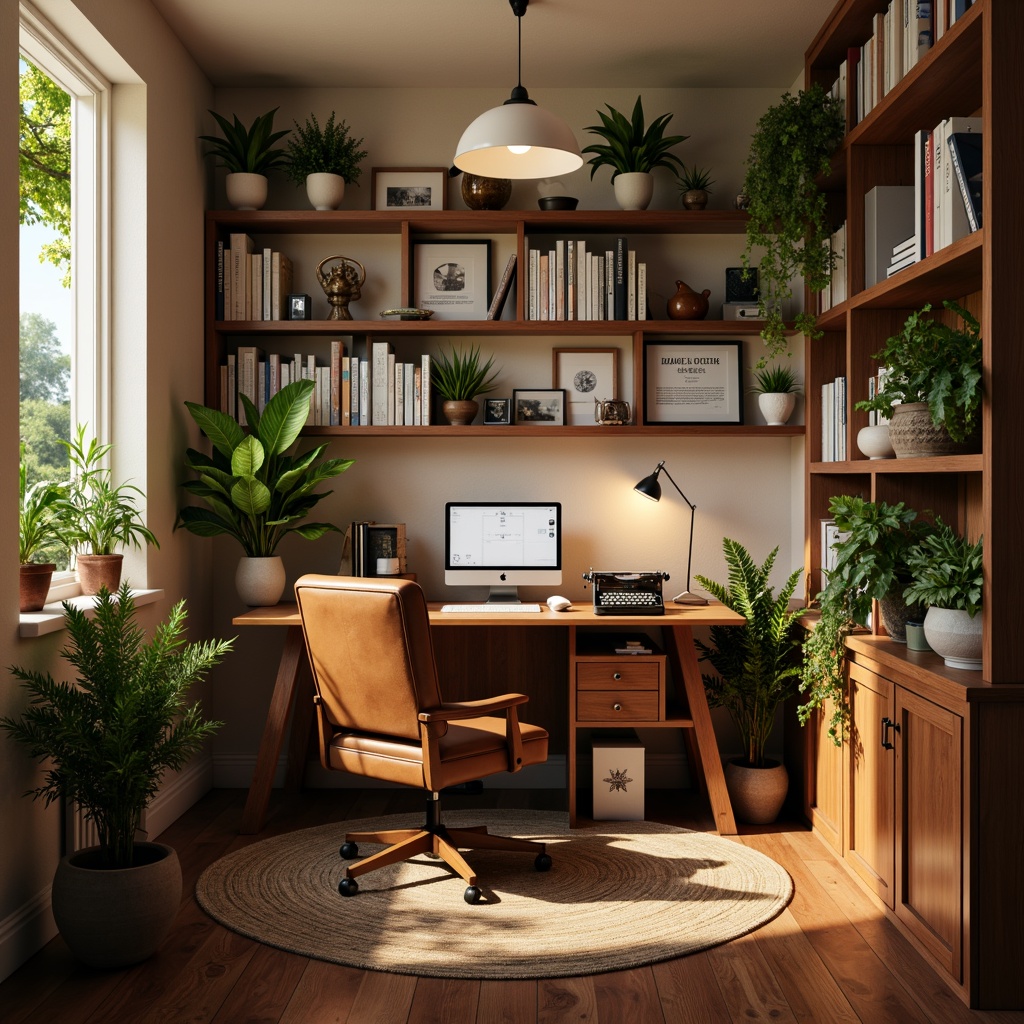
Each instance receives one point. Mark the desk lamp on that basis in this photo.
(650, 488)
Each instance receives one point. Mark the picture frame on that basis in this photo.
(452, 278)
(584, 374)
(497, 411)
(693, 382)
(544, 407)
(409, 188)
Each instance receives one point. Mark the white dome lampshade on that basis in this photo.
(518, 139)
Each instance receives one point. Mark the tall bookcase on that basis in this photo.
(933, 824)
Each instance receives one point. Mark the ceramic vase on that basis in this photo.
(116, 917)
(757, 794)
(954, 636)
(914, 435)
(260, 581)
(688, 304)
(325, 191)
(776, 407)
(873, 441)
(460, 414)
(246, 191)
(481, 193)
(95, 571)
(634, 190)
(695, 199)
(34, 585)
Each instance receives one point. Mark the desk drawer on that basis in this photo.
(612, 705)
(617, 675)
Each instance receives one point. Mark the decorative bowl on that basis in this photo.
(408, 314)
(557, 203)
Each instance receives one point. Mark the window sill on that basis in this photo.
(51, 618)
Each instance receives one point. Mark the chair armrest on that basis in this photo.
(472, 708)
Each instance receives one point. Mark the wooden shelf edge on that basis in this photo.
(631, 430)
(935, 464)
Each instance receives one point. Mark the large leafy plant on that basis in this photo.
(758, 664)
(111, 734)
(929, 361)
(631, 145)
(247, 150)
(789, 151)
(947, 571)
(256, 491)
(330, 149)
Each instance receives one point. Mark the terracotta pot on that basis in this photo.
(95, 571)
(460, 414)
(480, 193)
(34, 584)
(260, 581)
(757, 794)
(914, 436)
(687, 304)
(115, 917)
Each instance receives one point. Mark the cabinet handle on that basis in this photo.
(887, 724)
(616, 676)
(616, 707)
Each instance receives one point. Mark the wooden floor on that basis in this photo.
(830, 957)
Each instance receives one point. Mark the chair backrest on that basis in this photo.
(370, 651)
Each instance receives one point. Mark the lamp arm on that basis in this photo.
(693, 507)
(689, 552)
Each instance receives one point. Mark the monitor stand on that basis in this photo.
(503, 594)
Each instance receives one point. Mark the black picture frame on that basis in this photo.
(497, 411)
(697, 383)
(538, 407)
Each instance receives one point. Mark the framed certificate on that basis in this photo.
(452, 278)
(695, 382)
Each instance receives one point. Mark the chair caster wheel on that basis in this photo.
(543, 862)
(472, 894)
(349, 851)
(348, 887)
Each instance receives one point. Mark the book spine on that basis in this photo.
(379, 393)
(399, 394)
(621, 250)
(218, 296)
(337, 348)
(364, 392)
(409, 395)
(389, 411)
(560, 279)
(641, 291)
(266, 292)
(582, 303)
(542, 285)
(417, 411)
(346, 391)
(425, 388)
(232, 409)
(963, 181)
(631, 285)
(570, 280)
(354, 375)
(501, 294)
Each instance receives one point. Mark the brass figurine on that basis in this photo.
(342, 284)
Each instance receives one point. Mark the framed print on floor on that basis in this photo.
(693, 382)
(405, 188)
(538, 406)
(452, 278)
(585, 374)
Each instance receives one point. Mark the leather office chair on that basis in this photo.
(381, 715)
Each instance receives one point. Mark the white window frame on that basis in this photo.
(90, 383)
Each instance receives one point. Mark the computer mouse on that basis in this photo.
(559, 604)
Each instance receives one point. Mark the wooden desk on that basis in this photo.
(677, 624)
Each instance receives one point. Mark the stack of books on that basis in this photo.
(903, 255)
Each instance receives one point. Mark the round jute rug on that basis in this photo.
(618, 895)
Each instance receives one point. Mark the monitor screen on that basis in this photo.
(503, 545)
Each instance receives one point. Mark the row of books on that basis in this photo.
(876, 384)
(836, 291)
(252, 284)
(370, 390)
(833, 421)
(573, 282)
(947, 182)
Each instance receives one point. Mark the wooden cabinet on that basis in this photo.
(385, 242)
(934, 826)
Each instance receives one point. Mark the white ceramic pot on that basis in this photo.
(325, 191)
(246, 191)
(954, 636)
(260, 581)
(873, 441)
(757, 794)
(776, 407)
(634, 190)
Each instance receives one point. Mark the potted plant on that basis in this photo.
(632, 150)
(37, 533)
(256, 491)
(694, 185)
(758, 666)
(776, 388)
(458, 378)
(947, 578)
(789, 224)
(932, 385)
(248, 154)
(324, 160)
(108, 738)
(94, 517)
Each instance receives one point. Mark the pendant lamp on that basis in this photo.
(518, 139)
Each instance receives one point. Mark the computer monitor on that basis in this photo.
(503, 545)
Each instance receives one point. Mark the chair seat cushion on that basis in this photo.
(470, 749)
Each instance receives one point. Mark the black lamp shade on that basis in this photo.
(649, 487)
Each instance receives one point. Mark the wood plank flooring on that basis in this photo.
(829, 958)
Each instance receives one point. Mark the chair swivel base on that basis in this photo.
(433, 838)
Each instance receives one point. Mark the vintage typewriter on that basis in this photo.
(627, 593)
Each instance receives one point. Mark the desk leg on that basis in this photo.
(684, 655)
(281, 700)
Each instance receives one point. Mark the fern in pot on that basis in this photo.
(324, 160)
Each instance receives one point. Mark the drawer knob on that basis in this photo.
(616, 676)
(616, 707)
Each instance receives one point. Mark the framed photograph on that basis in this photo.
(697, 382)
(497, 410)
(585, 375)
(452, 278)
(539, 406)
(404, 188)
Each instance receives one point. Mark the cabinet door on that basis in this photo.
(870, 773)
(823, 796)
(929, 833)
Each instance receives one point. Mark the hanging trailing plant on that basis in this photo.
(790, 148)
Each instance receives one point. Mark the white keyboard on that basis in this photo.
(490, 607)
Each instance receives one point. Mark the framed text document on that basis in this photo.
(695, 382)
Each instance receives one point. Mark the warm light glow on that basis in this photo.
(519, 150)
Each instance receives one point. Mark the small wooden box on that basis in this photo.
(618, 779)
